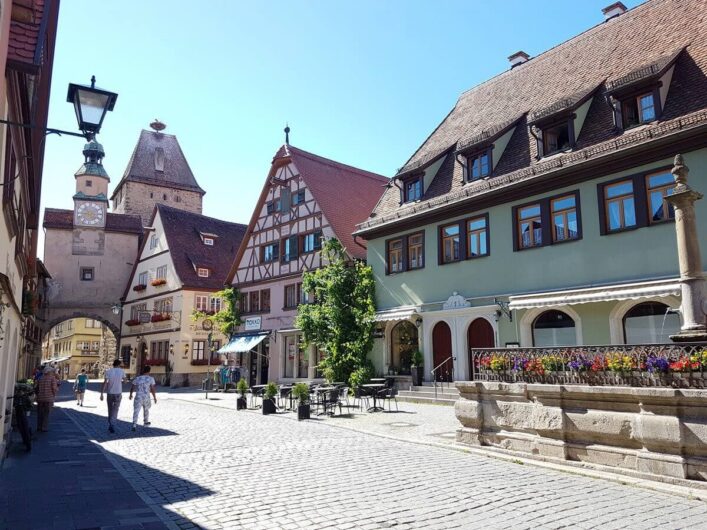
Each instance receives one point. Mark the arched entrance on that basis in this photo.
(403, 342)
(650, 323)
(479, 334)
(554, 328)
(442, 351)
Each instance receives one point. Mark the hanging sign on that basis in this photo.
(253, 323)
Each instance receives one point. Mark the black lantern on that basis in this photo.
(90, 105)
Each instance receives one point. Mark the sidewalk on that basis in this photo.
(67, 482)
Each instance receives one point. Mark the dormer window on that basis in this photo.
(209, 241)
(202, 272)
(637, 110)
(556, 138)
(479, 165)
(412, 190)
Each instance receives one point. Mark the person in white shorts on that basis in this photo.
(143, 386)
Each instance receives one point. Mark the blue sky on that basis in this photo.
(361, 82)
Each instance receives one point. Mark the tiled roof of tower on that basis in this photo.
(637, 43)
(168, 167)
(183, 232)
(345, 194)
(60, 219)
(28, 32)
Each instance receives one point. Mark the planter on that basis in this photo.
(241, 403)
(140, 287)
(269, 406)
(303, 412)
(158, 282)
(132, 322)
(417, 375)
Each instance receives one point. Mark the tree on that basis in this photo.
(341, 318)
(228, 318)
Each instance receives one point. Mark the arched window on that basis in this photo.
(650, 323)
(554, 328)
(403, 344)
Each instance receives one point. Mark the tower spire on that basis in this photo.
(287, 133)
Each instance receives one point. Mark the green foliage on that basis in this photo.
(242, 387)
(228, 319)
(340, 321)
(417, 358)
(361, 375)
(301, 392)
(270, 390)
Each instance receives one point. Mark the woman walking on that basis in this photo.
(46, 394)
(143, 386)
(80, 387)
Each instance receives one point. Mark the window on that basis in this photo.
(477, 237)
(202, 272)
(177, 198)
(273, 206)
(254, 301)
(215, 304)
(161, 272)
(209, 241)
(312, 242)
(416, 251)
(201, 302)
(270, 253)
(265, 300)
(298, 198)
(554, 328)
(136, 310)
(395, 256)
(412, 190)
(86, 274)
(289, 249)
(164, 196)
(142, 278)
(291, 298)
(556, 138)
(637, 110)
(620, 205)
(530, 226)
(479, 166)
(198, 350)
(159, 350)
(163, 305)
(658, 187)
(564, 218)
(89, 183)
(450, 243)
(650, 323)
(90, 323)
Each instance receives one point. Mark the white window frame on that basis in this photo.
(202, 272)
(198, 299)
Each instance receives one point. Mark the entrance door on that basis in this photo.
(442, 351)
(479, 335)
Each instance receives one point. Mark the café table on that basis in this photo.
(321, 392)
(374, 388)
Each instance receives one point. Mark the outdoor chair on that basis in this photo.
(331, 400)
(362, 395)
(254, 395)
(345, 402)
(388, 394)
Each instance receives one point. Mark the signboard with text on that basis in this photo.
(253, 323)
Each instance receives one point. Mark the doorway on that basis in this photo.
(442, 351)
(479, 335)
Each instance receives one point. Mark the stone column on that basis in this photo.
(692, 282)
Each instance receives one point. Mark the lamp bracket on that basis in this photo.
(503, 306)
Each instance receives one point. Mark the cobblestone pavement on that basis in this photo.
(215, 468)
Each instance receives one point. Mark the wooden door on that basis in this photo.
(479, 335)
(442, 351)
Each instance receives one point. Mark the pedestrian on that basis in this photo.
(113, 383)
(37, 373)
(80, 387)
(143, 385)
(46, 394)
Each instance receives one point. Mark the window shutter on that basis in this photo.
(294, 248)
(275, 251)
(285, 199)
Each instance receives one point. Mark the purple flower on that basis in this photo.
(519, 364)
(657, 364)
(580, 364)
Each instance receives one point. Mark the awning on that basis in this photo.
(399, 313)
(243, 343)
(56, 360)
(631, 291)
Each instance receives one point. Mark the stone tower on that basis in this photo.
(157, 173)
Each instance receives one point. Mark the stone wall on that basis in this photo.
(647, 431)
(140, 199)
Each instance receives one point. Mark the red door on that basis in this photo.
(479, 335)
(442, 351)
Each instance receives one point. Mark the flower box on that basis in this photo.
(159, 317)
(140, 287)
(132, 322)
(204, 362)
(158, 281)
(155, 362)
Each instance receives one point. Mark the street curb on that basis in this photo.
(624, 480)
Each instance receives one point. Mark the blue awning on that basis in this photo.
(243, 343)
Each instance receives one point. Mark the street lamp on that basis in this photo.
(207, 325)
(90, 105)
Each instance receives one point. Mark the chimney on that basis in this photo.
(614, 10)
(518, 58)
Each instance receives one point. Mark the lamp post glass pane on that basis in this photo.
(92, 107)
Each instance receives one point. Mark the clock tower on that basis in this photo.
(91, 198)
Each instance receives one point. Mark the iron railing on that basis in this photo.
(665, 365)
(443, 368)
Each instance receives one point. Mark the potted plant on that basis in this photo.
(132, 322)
(158, 281)
(140, 287)
(269, 398)
(241, 388)
(301, 392)
(417, 369)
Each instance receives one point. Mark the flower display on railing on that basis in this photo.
(684, 364)
(159, 317)
(140, 287)
(132, 322)
(155, 362)
(204, 362)
(616, 362)
(158, 281)
(581, 364)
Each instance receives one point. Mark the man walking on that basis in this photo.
(80, 387)
(143, 386)
(113, 383)
(46, 394)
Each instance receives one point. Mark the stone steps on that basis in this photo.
(426, 394)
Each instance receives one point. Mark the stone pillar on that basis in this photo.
(692, 308)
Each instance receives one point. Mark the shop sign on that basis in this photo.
(253, 323)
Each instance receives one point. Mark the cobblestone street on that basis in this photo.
(211, 467)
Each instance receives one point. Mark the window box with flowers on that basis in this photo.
(159, 317)
(203, 362)
(157, 282)
(140, 287)
(155, 362)
(132, 322)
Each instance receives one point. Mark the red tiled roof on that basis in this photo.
(115, 222)
(345, 194)
(638, 42)
(183, 232)
(27, 36)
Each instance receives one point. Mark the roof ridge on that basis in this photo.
(334, 163)
(187, 212)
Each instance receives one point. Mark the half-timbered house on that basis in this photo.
(305, 200)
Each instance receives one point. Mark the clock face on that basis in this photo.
(90, 214)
